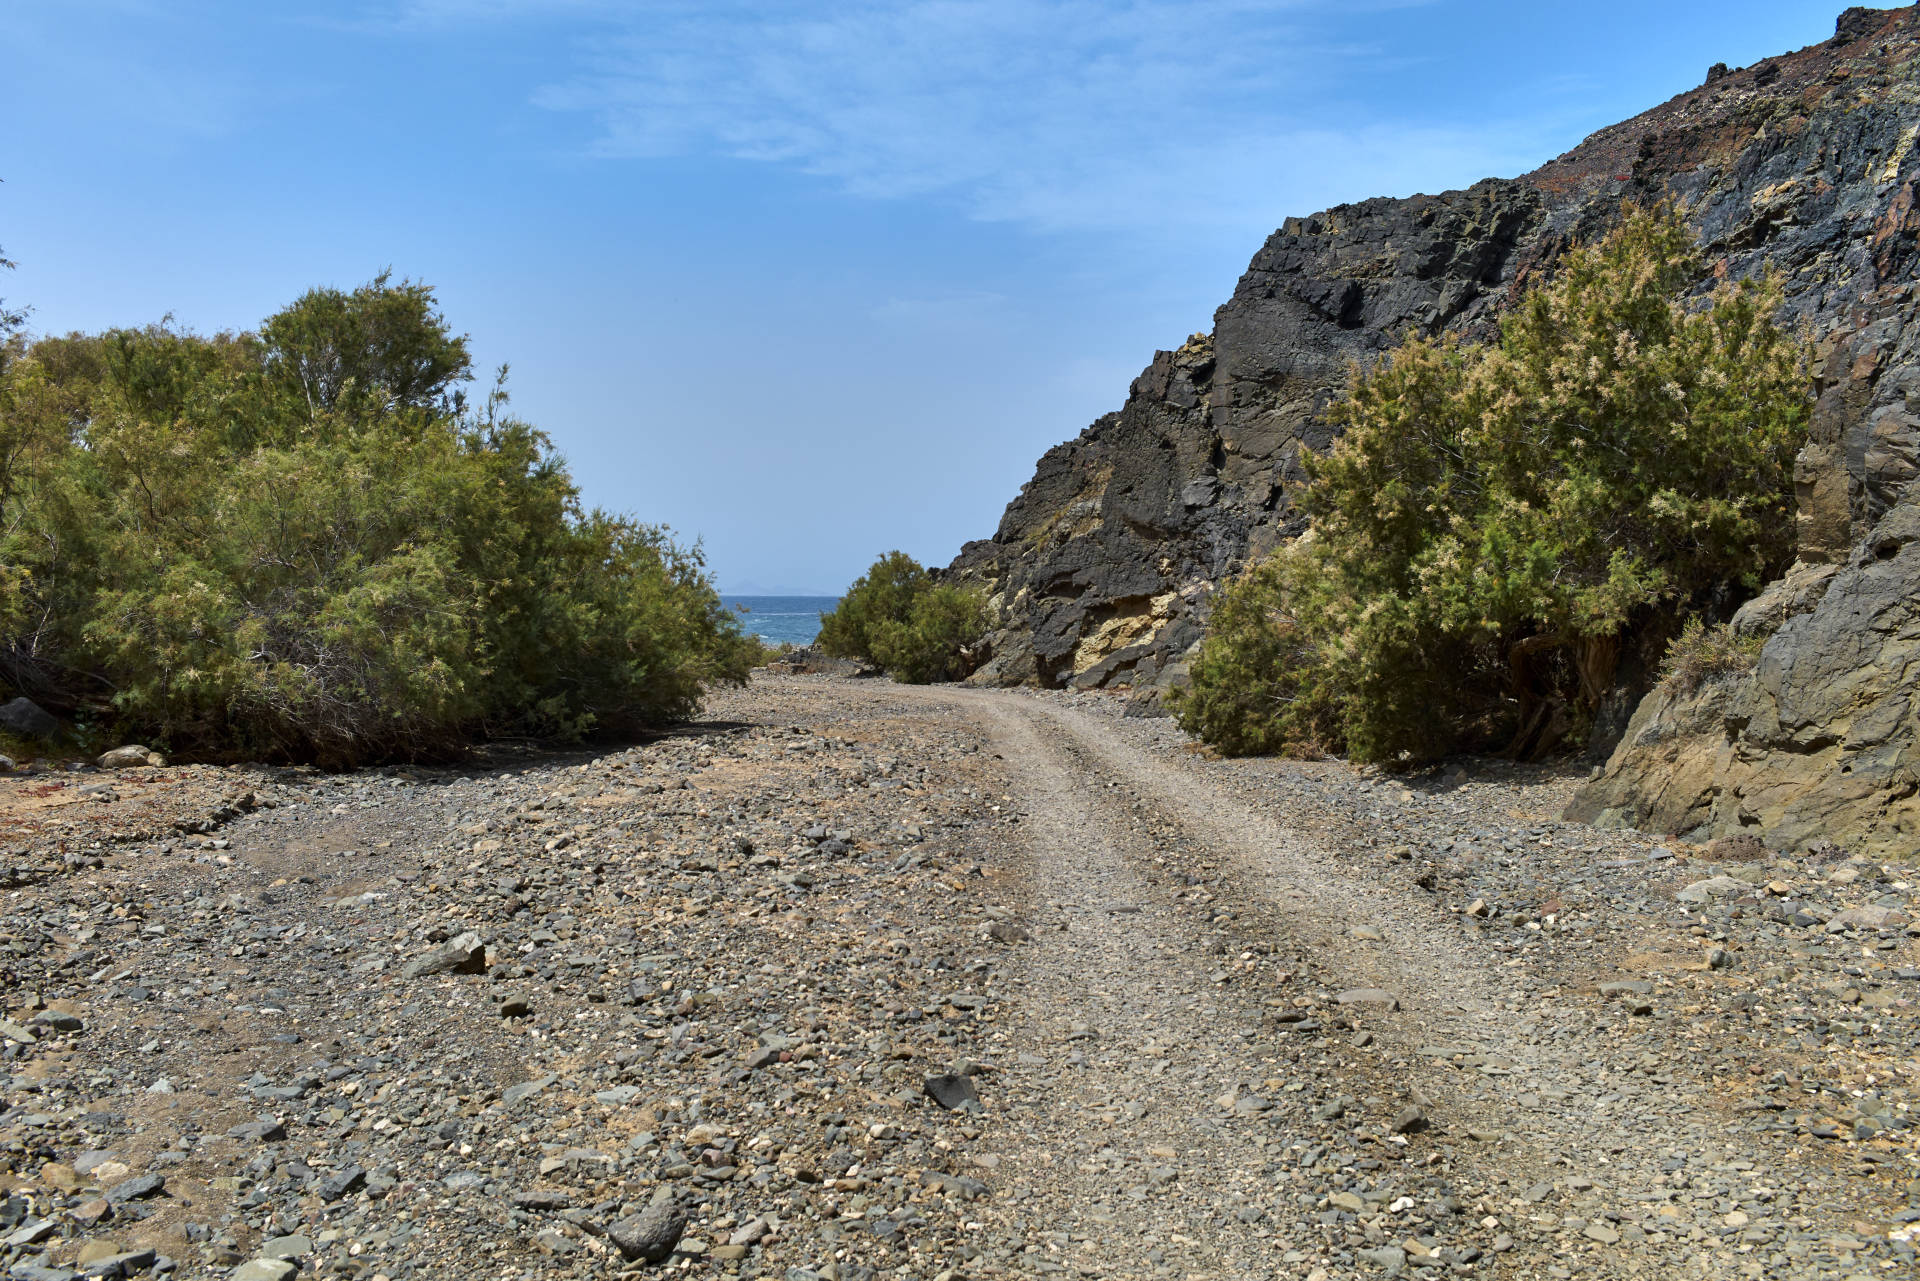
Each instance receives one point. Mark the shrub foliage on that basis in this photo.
(898, 617)
(304, 543)
(1495, 522)
(1701, 654)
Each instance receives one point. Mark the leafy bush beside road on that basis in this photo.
(899, 618)
(305, 543)
(1497, 525)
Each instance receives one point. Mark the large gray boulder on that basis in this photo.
(1818, 741)
(27, 719)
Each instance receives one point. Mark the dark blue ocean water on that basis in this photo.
(795, 619)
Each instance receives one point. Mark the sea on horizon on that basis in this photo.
(793, 620)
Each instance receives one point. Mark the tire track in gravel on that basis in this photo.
(1448, 995)
(1178, 1131)
(1090, 852)
(1442, 990)
(1129, 1148)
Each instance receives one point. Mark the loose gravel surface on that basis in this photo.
(859, 981)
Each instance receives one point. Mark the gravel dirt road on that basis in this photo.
(857, 980)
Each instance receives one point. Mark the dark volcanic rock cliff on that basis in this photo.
(1104, 562)
(1102, 567)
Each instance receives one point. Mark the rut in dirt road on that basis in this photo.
(1184, 1085)
(1312, 899)
(1133, 1047)
(1217, 961)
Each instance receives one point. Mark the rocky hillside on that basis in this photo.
(1802, 163)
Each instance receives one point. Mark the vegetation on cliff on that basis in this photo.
(1496, 523)
(304, 543)
(898, 617)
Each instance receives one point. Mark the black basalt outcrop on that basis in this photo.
(1103, 566)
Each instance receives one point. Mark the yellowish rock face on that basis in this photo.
(1117, 633)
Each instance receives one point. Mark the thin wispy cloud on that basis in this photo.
(1060, 114)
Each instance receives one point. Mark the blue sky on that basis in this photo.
(805, 281)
